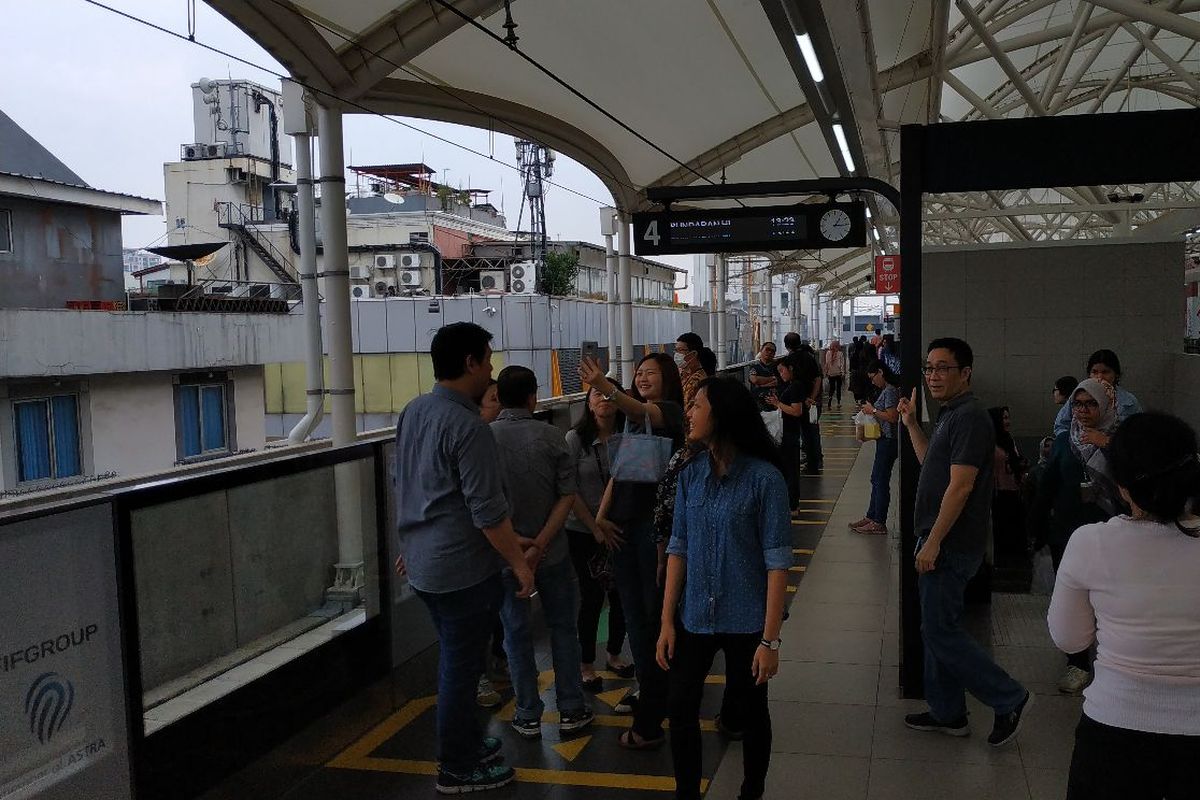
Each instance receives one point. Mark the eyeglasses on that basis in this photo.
(1085, 404)
(941, 370)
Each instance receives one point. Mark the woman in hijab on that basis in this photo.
(1067, 498)
(835, 371)
(1008, 515)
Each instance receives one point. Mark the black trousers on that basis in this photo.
(591, 600)
(1120, 764)
(835, 388)
(789, 452)
(810, 432)
(694, 655)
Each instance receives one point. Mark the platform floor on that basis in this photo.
(836, 711)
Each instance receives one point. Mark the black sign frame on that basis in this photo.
(745, 230)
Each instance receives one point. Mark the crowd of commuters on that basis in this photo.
(669, 501)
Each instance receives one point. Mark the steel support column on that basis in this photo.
(626, 303)
(314, 360)
(722, 322)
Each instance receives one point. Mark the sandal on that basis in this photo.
(594, 683)
(630, 741)
(624, 671)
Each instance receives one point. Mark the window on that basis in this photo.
(202, 427)
(5, 231)
(47, 431)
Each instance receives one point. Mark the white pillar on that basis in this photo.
(608, 218)
(853, 317)
(769, 332)
(348, 576)
(710, 265)
(313, 364)
(626, 285)
(722, 291)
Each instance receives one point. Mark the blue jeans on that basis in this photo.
(881, 479)
(635, 567)
(558, 589)
(954, 662)
(464, 621)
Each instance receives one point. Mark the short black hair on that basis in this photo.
(875, 365)
(1066, 384)
(765, 345)
(692, 340)
(1106, 357)
(451, 346)
(708, 361)
(792, 341)
(515, 385)
(1153, 456)
(960, 349)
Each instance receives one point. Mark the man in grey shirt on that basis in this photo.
(952, 518)
(453, 519)
(539, 481)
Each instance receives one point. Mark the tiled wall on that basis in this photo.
(1033, 314)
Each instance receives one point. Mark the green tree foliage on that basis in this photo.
(559, 273)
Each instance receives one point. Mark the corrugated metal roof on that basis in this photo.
(21, 154)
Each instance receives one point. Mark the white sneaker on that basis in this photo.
(1074, 680)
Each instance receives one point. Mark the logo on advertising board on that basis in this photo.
(48, 703)
(887, 274)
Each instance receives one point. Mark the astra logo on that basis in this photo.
(48, 704)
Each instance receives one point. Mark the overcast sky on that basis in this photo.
(113, 100)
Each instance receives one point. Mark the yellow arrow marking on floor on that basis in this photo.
(613, 697)
(797, 569)
(801, 551)
(571, 750)
(792, 589)
(808, 522)
(812, 511)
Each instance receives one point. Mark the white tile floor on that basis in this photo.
(835, 706)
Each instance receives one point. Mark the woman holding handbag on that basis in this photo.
(588, 443)
(653, 410)
(790, 403)
(884, 411)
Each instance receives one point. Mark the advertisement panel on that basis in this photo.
(887, 274)
(63, 728)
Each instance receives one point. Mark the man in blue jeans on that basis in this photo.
(953, 510)
(452, 518)
(539, 481)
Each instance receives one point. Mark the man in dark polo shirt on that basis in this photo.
(953, 514)
(453, 519)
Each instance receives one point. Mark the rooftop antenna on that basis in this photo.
(536, 162)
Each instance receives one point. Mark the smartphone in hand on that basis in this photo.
(589, 349)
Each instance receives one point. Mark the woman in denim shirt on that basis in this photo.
(727, 565)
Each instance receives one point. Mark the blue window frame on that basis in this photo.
(203, 428)
(47, 435)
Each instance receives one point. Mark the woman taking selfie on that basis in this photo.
(1129, 586)
(654, 404)
(727, 565)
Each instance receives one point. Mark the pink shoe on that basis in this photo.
(856, 525)
(872, 527)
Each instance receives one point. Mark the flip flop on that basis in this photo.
(628, 741)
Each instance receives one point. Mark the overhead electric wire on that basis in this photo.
(317, 90)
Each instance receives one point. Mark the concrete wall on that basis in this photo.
(60, 253)
(64, 342)
(1032, 314)
(1185, 388)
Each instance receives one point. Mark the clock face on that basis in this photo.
(835, 225)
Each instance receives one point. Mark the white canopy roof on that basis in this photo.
(685, 91)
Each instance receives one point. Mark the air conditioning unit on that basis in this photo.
(218, 150)
(196, 152)
(384, 287)
(385, 261)
(412, 260)
(360, 273)
(522, 278)
(191, 152)
(491, 280)
(360, 292)
(409, 277)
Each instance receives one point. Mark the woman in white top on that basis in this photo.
(1132, 585)
(834, 367)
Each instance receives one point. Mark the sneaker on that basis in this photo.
(926, 722)
(498, 669)
(621, 669)
(1074, 680)
(1007, 725)
(860, 523)
(729, 733)
(480, 779)
(872, 528)
(568, 723)
(528, 729)
(627, 703)
(486, 695)
(489, 749)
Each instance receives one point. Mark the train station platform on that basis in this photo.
(836, 708)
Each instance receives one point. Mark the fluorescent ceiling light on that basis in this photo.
(868, 208)
(810, 57)
(840, 135)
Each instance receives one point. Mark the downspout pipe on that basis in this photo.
(311, 298)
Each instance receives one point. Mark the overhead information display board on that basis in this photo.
(801, 226)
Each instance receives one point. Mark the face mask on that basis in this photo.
(680, 359)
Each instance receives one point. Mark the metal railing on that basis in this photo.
(242, 218)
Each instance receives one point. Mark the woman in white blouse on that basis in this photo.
(1132, 586)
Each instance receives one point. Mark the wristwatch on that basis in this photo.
(611, 394)
(773, 644)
